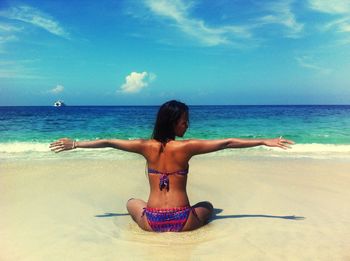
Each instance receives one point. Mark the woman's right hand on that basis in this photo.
(278, 142)
(62, 144)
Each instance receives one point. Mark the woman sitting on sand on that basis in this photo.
(168, 207)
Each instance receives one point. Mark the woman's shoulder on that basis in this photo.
(183, 144)
(170, 144)
(188, 141)
(173, 143)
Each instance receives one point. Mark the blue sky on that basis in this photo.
(144, 52)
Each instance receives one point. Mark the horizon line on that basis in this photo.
(148, 105)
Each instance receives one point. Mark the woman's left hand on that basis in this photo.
(279, 142)
(62, 144)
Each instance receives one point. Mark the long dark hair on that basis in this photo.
(167, 118)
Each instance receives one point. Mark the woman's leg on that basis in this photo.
(135, 209)
(203, 212)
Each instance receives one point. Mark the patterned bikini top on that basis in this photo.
(164, 179)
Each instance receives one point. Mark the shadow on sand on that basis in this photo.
(218, 211)
(216, 216)
(112, 215)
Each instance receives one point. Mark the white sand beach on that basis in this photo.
(267, 209)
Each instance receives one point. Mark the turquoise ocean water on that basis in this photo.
(319, 131)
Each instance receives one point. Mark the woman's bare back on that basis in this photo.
(170, 158)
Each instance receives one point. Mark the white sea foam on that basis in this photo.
(314, 150)
(18, 147)
(41, 150)
(316, 147)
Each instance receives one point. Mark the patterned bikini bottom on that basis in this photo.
(168, 219)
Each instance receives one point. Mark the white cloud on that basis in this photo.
(9, 28)
(135, 82)
(342, 25)
(19, 69)
(307, 62)
(7, 38)
(282, 14)
(35, 17)
(14, 74)
(338, 8)
(58, 89)
(7, 35)
(331, 6)
(178, 12)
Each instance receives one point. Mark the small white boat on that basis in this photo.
(59, 104)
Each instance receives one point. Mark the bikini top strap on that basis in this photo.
(164, 179)
(179, 172)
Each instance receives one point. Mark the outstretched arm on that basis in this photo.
(205, 146)
(136, 146)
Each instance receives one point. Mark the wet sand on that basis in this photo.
(266, 209)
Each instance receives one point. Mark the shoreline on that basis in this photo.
(35, 151)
